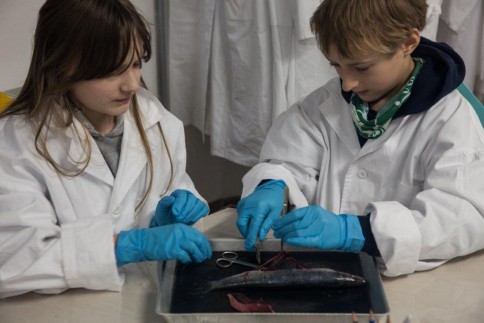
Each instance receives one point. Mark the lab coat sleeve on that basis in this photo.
(446, 219)
(38, 254)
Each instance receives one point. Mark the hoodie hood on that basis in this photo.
(442, 72)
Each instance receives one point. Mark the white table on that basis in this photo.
(453, 293)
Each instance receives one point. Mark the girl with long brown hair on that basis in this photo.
(86, 154)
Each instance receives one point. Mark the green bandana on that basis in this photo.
(371, 129)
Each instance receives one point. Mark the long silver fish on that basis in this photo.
(288, 278)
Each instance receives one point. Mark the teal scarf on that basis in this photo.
(371, 129)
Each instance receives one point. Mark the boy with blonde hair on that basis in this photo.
(387, 158)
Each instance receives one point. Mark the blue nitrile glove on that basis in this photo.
(181, 206)
(258, 211)
(315, 227)
(170, 242)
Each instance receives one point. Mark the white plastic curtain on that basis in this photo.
(234, 65)
(462, 27)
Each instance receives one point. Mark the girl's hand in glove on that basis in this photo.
(169, 242)
(181, 206)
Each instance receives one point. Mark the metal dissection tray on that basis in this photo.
(176, 301)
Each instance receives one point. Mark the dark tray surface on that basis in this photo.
(191, 277)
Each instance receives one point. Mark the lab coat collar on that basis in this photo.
(374, 144)
(133, 161)
(340, 120)
(338, 114)
(74, 161)
(132, 158)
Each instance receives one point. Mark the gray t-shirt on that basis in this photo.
(109, 144)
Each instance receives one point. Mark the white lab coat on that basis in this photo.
(421, 180)
(56, 232)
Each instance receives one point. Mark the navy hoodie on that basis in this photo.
(442, 72)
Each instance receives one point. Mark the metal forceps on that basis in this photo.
(229, 257)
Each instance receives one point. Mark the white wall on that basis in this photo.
(17, 26)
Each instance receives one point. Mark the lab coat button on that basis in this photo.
(362, 173)
(116, 211)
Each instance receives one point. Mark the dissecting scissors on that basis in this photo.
(229, 257)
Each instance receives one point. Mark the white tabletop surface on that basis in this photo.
(454, 292)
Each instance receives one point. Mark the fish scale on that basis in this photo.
(288, 278)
